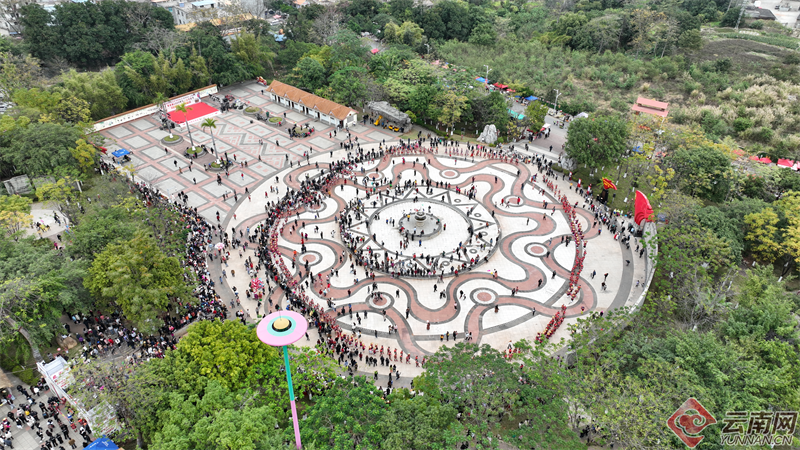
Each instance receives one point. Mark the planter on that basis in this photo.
(215, 168)
(251, 111)
(175, 140)
(197, 151)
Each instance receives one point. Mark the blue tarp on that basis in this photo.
(121, 152)
(481, 80)
(531, 98)
(103, 443)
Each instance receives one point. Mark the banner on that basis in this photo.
(642, 209)
(608, 184)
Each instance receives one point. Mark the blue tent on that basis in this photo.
(103, 443)
(516, 115)
(531, 98)
(121, 152)
(481, 80)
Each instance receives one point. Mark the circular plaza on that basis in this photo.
(427, 249)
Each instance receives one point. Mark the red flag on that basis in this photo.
(642, 209)
(608, 184)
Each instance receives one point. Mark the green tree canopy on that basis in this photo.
(597, 140)
(138, 278)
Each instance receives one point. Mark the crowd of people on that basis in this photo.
(52, 420)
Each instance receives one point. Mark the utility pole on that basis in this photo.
(487, 73)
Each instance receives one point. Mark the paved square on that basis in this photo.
(260, 168)
(120, 131)
(257, 100)
(148, 174)
(379, 137)
(196, 200)
(154, 152)
(275, 108)
(158, 134)
(239, 156)
(196, 174)
(136, 142)
(174, 163)
(240, 121)
(296, 116)
(260, 130)
(137, 162)
(215, 189)
(210, 214)
(241, 93)
(358, 128)
(320, 142)
(241, 179)
(170, 186)
(143, 124)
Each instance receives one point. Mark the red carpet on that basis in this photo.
(193, 112)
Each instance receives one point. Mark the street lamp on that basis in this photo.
(280, 329)
(557, 94)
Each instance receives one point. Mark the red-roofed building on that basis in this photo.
(319, 108)
(649, 106)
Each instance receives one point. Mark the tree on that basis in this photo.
(15, 211)
(418, 422)
(138, 278)
(250, 51)
(216, 419)
(18, 72)
(57, 193)
(99, 89)
(226, 352)
(703, 171)
(182, 108)
(535, 114)
(327, 25)
(762, 234)
(597, 141)
(39, 148)
(309, 74)
(453, 106)
(311, 373)
(38, 285)
(476, 381)
(84, 153)
(690, 39)
(347, 86)
(409, 33)
(73, 110)
(344, 417)
(211, 124)
(605, 31)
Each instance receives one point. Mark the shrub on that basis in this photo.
(764, 134)
(791, 58)
(742, 124)
(723, 65)
(757, 25)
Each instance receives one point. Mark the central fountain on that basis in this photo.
(420, 225)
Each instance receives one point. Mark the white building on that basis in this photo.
(309, 104)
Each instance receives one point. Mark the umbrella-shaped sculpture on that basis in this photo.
(220, 246)
(121, 152)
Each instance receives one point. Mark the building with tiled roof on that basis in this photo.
(309, 104)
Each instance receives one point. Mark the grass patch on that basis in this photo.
(172, 138)
(274, 119)
(776, 40)
(252, 110)
(194, 150)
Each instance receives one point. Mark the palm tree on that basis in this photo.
(182, 108)
(210, 123)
